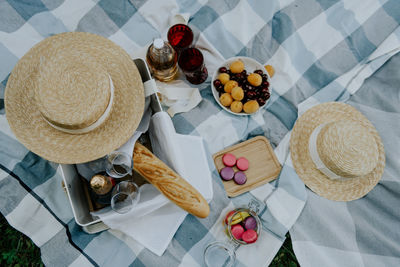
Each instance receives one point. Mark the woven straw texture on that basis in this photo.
(345, 164)
(73, 71)
(73, 89)
(347, 149)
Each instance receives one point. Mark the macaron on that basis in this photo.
(237, 231)
(229, 160)
(250, 223)
(239, 178)
(229, 215)
(242, 163)
(239, 217)
(249, 236)
(227, 173)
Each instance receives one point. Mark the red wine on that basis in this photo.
(180, 36)
(191, 61)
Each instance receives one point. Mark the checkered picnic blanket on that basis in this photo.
(363, 232)
(321, 51)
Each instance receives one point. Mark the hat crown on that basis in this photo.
(73, 90)
(347, 148)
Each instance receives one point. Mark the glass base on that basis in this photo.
(219, 254)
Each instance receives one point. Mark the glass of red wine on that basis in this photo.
(191, 62)
(180, 36)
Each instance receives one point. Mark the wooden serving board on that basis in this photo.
(263, 164)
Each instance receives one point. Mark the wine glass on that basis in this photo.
(124, 196)
(180, 36)
(118, 164)
(191, 62)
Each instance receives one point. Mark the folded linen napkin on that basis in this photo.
(154, 220)
(178, 96)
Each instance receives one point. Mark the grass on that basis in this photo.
(285, 256)
(18, 250)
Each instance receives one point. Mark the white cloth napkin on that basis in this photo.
(178, 96)
(154, 220)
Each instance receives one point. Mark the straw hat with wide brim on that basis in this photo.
(74, 97)
(337, 152)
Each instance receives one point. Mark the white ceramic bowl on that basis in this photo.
(250, 65)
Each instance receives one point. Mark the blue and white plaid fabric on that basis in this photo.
(321, 51)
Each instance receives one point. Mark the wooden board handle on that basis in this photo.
(168, 182)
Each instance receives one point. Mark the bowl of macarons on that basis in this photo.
(241, 86)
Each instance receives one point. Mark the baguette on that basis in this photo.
(168, 182)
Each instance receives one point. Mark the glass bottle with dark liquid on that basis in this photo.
(162, 60)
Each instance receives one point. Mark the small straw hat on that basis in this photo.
(337, 152)
(74, 97)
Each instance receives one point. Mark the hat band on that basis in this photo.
(312, 147)
(94, 125)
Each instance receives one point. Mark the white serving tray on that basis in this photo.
(77, 199)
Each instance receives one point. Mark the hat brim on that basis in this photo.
(38, 136)
(338, 190)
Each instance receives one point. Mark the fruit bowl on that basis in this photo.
(257, 93)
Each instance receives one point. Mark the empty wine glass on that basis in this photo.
(118, 164)
(124, 196)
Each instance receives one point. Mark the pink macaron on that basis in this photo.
(237, 231)
(242, 163)
(229, 160)
(249, 236)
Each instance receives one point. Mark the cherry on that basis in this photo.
(217, 83)
(251, 95)
(261, 101)
(260, 72)
(241, 82)
(265, 90)
(265, 84)
(223, 70)
(264, 77)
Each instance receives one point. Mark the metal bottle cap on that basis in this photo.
(101, 184)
